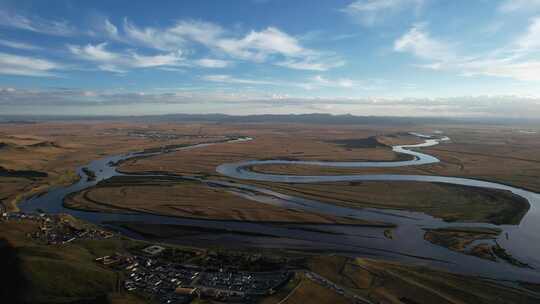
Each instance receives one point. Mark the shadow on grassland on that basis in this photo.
(13, 283)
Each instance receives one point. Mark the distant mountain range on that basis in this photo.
(315, 118)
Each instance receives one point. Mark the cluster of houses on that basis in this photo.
(160, 135)
(55, 229)
(152, 271)
(170, 282)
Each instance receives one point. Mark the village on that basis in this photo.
(149, 273)
(163, 273)
(57, 229)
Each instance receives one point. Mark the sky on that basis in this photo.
(466, 58)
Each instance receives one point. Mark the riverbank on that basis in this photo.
(37, 157)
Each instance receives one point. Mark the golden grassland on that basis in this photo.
(449, 202)
(389, 282)
(304, 142)
(57, 148)
(500, 154)
(493, 153)
(307, 291)
(189, 199)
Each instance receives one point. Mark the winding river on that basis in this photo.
(407, 245)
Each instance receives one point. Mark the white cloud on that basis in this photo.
(170, 59)
(18, 45)
(110, 29)
(118, 62)
(530, 40)
(267, 45)
(524, 71)
(258, 45)
(519, 5)
(258, 102)
(175, 37)
(203, 32)
(212, 63)
(26, 66)
(230, 79)
(342, 82)
(312, 63)
(151, 37)
(418, 42)
(316, 82)
(373, 12)
(93, 52)
(515, 60)
(35, 24)
(111, 68)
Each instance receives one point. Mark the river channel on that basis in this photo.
(407, 245)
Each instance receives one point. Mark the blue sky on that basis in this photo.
(365, 57)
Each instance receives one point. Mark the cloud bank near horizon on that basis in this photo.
(70, 101)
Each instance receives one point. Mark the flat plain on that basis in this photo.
(36, 157)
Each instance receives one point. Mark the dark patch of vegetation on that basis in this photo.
(502, 254)
(18, 122)
(171, 148)
(512, 214)
(163, 148)
(287, 158)
(118, 181)
(408, 301)
(360, 143)
(157, 231)
(45, 144)
(458, 238)
(22, 173)
(90, 175)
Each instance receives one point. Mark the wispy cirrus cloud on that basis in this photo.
(419, 42)
(516, 60)
(268, 45)
(223, 78)
(96, 52)
(213, 63)
(173, 37)
(120, 62)
(27, 66)
(36, 24)
(313, 83)
(509, 6)
(374, 12)
(529, 41)
(19, 45)
(110, 29)
(341, 82)
(117, 62)
(312, 64)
